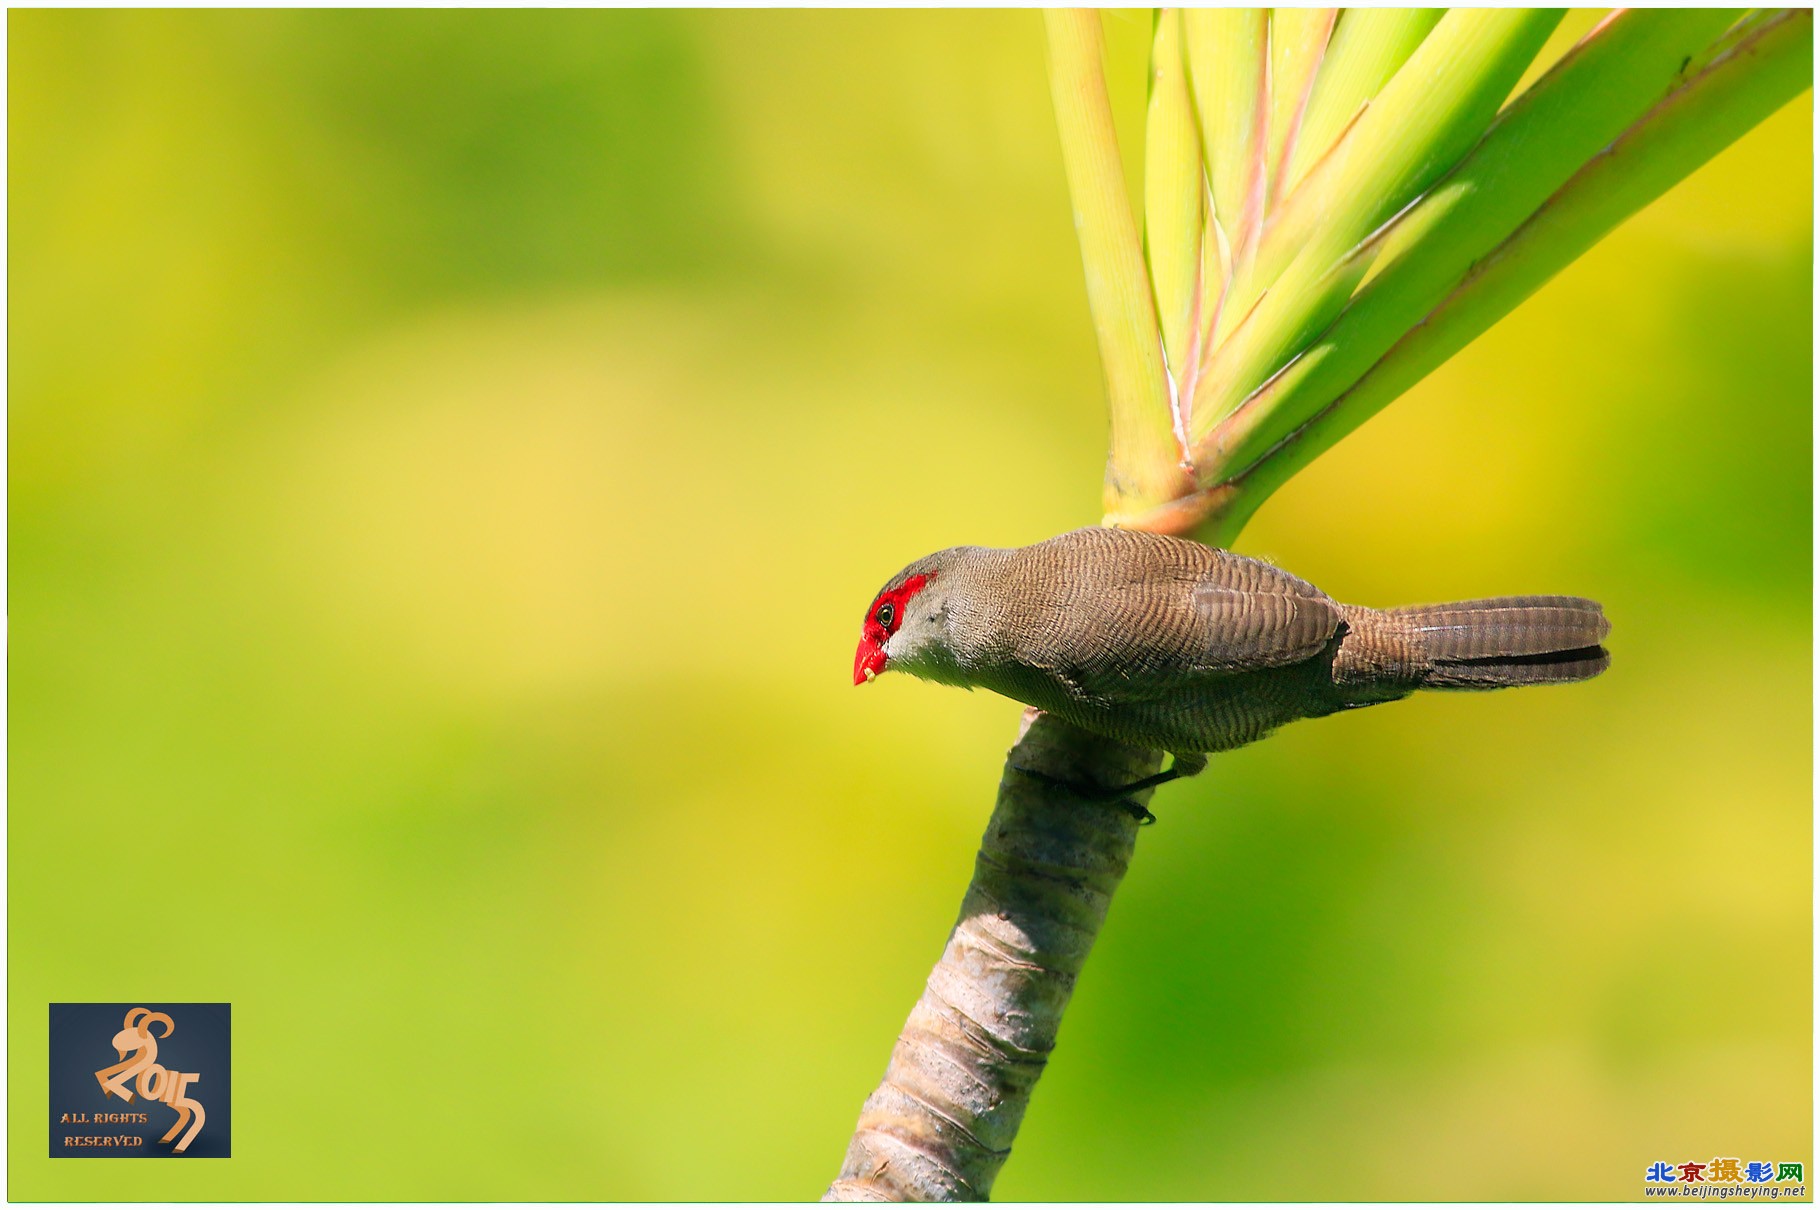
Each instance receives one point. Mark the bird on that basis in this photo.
(1171, 645)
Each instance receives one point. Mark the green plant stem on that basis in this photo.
(1298, 43)
(1172, 192)
(1229, 69)
(1143, 465)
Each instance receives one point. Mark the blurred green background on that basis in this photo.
(451, 453)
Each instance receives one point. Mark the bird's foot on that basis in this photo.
(1137, 811)
(1181, 766)
(1088, 792)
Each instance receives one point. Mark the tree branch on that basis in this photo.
(941, 1124)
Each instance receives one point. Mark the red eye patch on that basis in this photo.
(883, 619)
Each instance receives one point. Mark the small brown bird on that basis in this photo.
(1171, 645)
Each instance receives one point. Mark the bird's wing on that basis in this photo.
(1248, 630)
(1171, 625)
(1138, 617)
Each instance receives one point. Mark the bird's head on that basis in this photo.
(906, 624)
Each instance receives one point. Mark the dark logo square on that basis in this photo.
(146, 1079)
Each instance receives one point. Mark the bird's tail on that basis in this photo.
(1506, 641)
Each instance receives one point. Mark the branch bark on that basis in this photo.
(941, 1124)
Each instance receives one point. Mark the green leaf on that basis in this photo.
(1172, 191)
(1142, 467)
(1768, 66)
(1229, 64)
(1587, 100)
(1367, 47)
(1422, 123)
(1298, 41)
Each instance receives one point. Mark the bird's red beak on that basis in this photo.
(868, 661)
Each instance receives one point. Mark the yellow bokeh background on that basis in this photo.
(450, 454)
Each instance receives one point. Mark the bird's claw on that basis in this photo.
(1090, 793)
(1137, 811)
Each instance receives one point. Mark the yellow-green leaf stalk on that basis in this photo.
(1172, 195)
(1426, 118)
(1367, 47)
(1142, 469)
(1588, 99)
(1728, 94)
(1229, 70)
(1298, 40)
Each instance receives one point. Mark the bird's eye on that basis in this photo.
(886, 614)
